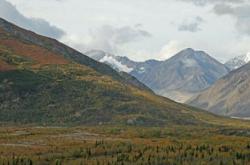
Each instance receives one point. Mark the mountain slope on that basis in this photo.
(237, 62)
(62, 50)
(184, 75)
(43, 81)
(228, 96)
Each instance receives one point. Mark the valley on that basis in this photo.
(125, 145)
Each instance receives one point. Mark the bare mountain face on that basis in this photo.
(238, 62)
(185, 74)
(229, 96)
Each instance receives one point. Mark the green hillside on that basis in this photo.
(76, 94)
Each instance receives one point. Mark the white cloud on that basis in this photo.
(217, 36)
(118, 65)
(108, 38)
(171, 49)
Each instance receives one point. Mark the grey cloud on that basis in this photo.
(192, 25)
(110, 38)
(240, 13)
(221, 9)
(10, 13)
(238, 9)
(205, 2)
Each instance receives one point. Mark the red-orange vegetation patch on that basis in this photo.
(36, 53)
(2, 31)
(5, 67)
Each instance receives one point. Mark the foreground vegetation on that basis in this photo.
(124, 145)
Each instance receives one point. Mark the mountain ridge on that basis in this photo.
(181, 77)
(228, 96)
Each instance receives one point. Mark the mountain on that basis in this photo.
(43, 81)
(229, 96)
(121, 63)
(183, 75)
(237, 62)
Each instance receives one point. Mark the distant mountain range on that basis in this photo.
(237, 62)
(43, 81)
(229, 95)
(179, 78)
(122, 63)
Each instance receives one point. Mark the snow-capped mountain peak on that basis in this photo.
(247, 57)
(116, 62)
(237, 62)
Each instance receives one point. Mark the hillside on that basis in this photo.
(12, 31)
(43, 81)
(229, 96)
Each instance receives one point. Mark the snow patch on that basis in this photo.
(141, 70)
(116, 64)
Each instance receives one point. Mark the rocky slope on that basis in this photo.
(229, 96)
(185, 74)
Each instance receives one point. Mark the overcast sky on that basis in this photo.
(139, 29)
